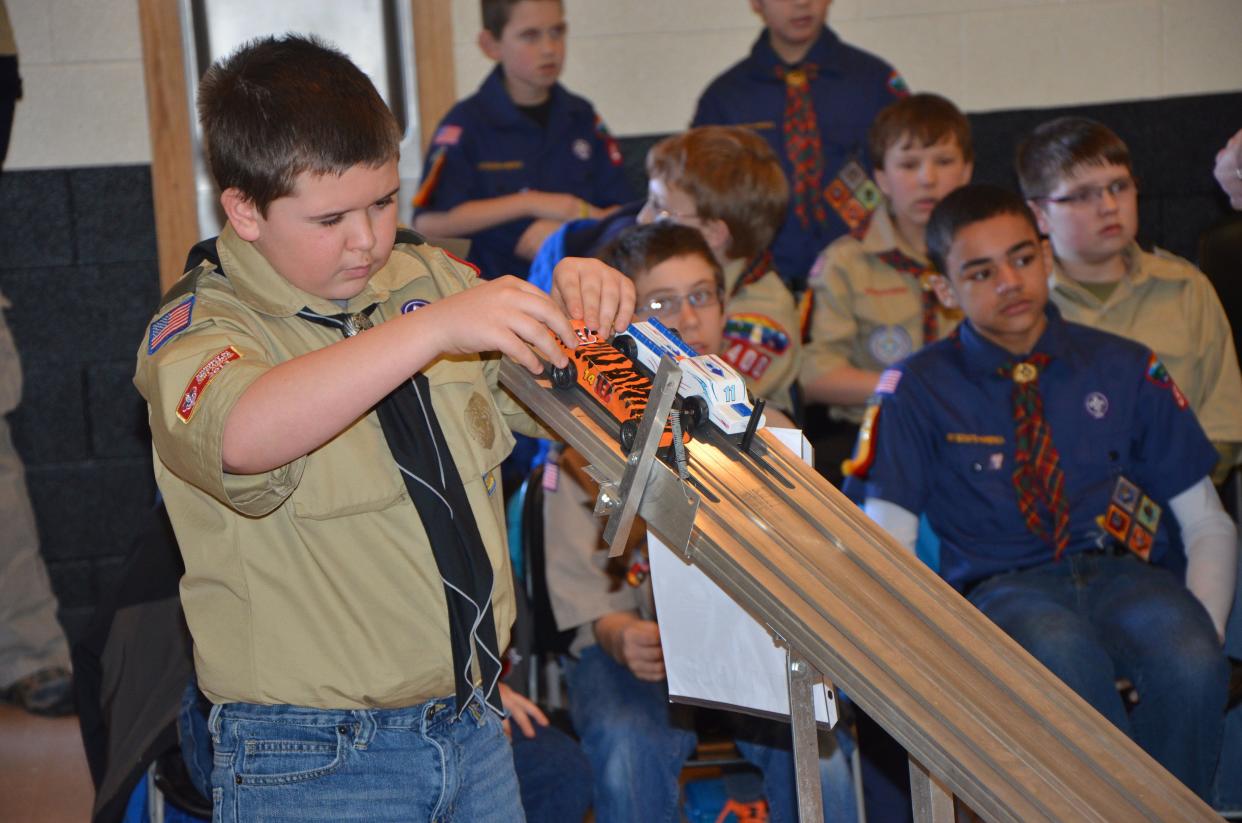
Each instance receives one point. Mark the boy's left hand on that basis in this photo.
(598, 295)
(522, 711)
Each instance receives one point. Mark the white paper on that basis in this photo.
(714, 651)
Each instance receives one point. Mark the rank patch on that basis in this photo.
(199, 382)
(170, 324)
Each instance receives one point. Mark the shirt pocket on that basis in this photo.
(473, 426)
(352, 474)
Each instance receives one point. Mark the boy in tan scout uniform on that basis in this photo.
(1078, 178)
(726, 182)
(872, 302)
(334, 493)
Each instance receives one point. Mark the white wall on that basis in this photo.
(644, 62)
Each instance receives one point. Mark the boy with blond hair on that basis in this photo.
(327, 424)
(1078, 178)
(872, 302)
(726, 182)
(521, 156)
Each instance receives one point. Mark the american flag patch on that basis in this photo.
(447, 136)
(888, 381)
(169, 324)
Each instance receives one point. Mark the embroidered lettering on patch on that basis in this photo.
(199, 382)
(967, 439)
(170, 324)
(747, 359)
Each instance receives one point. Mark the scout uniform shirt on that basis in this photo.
(313, 584)
(865, 313)
(761, 336)
(1168, 305)
(486, 147)
(943, 443)
(849, 90)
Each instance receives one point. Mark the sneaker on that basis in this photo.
(47, 692)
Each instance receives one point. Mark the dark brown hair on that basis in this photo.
(965, 206)
(639, 249)
(1056, 148)
(281, 106)
(925, 118)
(732, 175)
(496, 14)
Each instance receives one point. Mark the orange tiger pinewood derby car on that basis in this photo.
(611, 379)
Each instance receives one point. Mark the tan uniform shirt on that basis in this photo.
(582, 584)
(313, 584)
(762, 338)
(8, 46)
(865, 313)
(1168, 305)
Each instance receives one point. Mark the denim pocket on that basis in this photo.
(276, 754)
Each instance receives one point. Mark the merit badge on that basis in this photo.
(479, 420)
(170, 324)
(412, 305)
(1096, 405)
(582, 149)
(1132, 518)
(198, 383)
(888, 344)
(1148, 514)
(1116, 522)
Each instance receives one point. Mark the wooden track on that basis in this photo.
(985, 718)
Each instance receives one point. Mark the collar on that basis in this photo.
(983, 357)
(882, 236)
(500, 108)
(824, 53)
(1140, 267)
(262, 288)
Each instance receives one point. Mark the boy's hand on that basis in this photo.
(1228, 170)
(641, 652)
(521, 711)
(562, 207)
(594, 293)
(506, 315)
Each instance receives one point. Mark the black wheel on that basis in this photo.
(693, 414)
(565, 378)
(629, 433)
(626, 345)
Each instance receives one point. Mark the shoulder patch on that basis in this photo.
(188, 403)
(435, 165)
(887, 384)
(864, 449)
(610, 143)
(897, 85)
(447, 135)
(1158, 375)
(169, 324)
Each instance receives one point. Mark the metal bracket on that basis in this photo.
(802, 678)
(620, 501)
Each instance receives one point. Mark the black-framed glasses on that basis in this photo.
(1090, 195)
(670, 305)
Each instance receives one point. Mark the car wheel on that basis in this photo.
(629, 433)
(694, 414)
(626, 345)
(565, 378)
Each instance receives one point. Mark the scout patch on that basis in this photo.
(897, 85)
(853, 196)
(1096, 405)
(479, 420)
(752, 340)
(412, 305)
(887, 384)
(422, 198)
(888, 344)
(582, 149)
(170, 324)
(489, 483)
(198, 383)
(610, 143)
(1159, 375)
(1132, 518)
(864, 449)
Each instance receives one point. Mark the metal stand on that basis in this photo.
(932, 802)
(802, 678)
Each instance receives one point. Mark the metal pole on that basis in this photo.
(802, 678)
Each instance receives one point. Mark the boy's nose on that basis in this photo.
(361, 233)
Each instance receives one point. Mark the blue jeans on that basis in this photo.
(288, 763)
(1094, 618)
(554, 775)
(637, 750)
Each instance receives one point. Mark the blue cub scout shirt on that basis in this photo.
(849, 91)
(944, 442)
(486, 147)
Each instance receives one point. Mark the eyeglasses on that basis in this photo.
(670, 306)
(1089, 195)
(659, 215)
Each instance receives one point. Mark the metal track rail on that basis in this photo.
(984, 719)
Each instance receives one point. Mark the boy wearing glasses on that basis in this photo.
(618, 695)
(1077, 176)
(725, 182)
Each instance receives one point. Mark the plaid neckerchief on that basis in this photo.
(802, 143)
(1037, 475)
(921, 273)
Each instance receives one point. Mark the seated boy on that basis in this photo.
(872, 298)
(812, 98)
(725, 182)
(618, 695)
(511, 163)
(1078, 178)
(1044, 454)
(326, 432)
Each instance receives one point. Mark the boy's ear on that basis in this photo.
(489, 45)
(944, 291)
(242, 213)
(716, 233)
(1041, 217)
(1045, 248)
(881, 180)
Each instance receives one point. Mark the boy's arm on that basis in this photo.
(1211, 541)
(633, 642)
(474, 216)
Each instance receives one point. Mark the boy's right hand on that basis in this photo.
(563, 207)
(506, 315)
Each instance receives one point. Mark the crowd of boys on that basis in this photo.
(347, 582)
